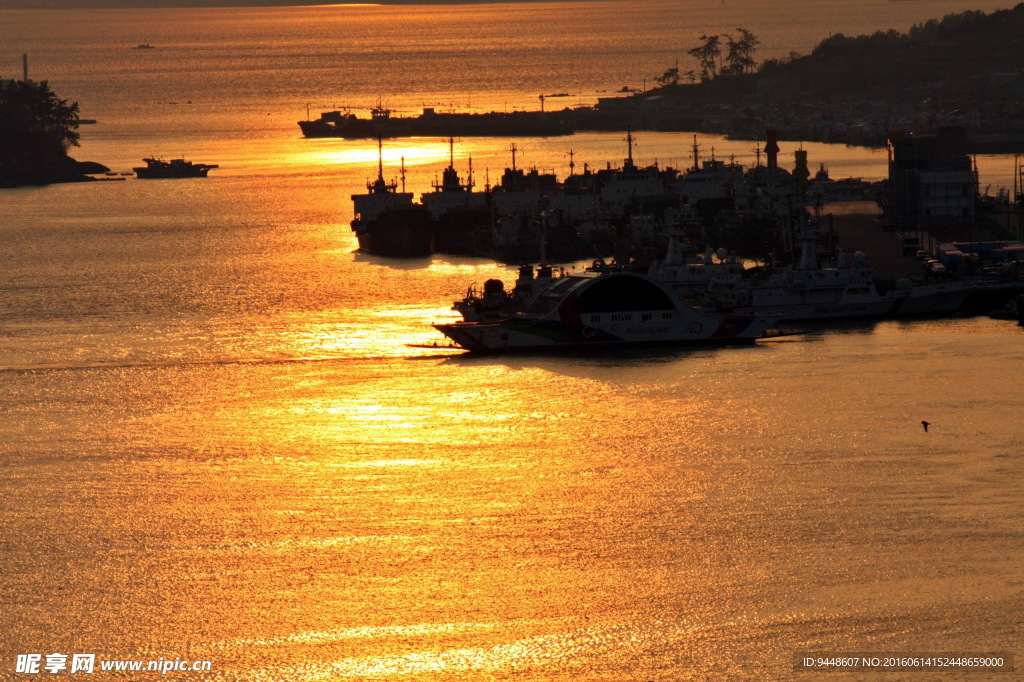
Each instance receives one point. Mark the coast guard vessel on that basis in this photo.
(590, 311)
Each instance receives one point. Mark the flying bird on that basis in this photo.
(925, 425)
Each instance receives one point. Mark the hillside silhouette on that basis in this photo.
(956, 49)
(964, 69)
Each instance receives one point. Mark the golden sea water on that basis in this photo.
(218, 445)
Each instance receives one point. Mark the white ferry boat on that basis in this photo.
(591, 311)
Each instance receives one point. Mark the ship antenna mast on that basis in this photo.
(696, 154)
(572, 163)
(380, 159)
(403, 174)
(629, 148)
(514, 149)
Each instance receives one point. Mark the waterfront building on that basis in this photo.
(931, 182)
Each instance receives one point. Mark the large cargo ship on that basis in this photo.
(387, 222)
(382, 124)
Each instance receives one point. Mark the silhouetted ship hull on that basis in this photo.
(176, 168)
(464, 231)
(430, 123)
(387, 222)
(397, 233)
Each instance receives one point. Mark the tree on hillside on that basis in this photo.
(708, 56)
(670, 77)
(36, 130)
(737, 60)
(740, 58)
(771, 65)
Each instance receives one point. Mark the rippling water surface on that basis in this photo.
(218, 445)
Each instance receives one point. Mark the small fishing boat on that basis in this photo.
(176, 168)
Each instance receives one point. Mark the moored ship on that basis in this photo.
(845, 289)
(387, 222)
(433, 123)
(592, 311)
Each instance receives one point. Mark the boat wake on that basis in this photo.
(120, 364)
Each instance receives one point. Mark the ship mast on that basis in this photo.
(380, 186)
(450, 178)
(380, 160)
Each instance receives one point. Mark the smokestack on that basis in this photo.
(771, 148)
(24, 66)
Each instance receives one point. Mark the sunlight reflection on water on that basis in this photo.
(218, 442)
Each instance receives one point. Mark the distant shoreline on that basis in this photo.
(234, 4)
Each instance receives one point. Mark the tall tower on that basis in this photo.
(771, 148)
(800, 172)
